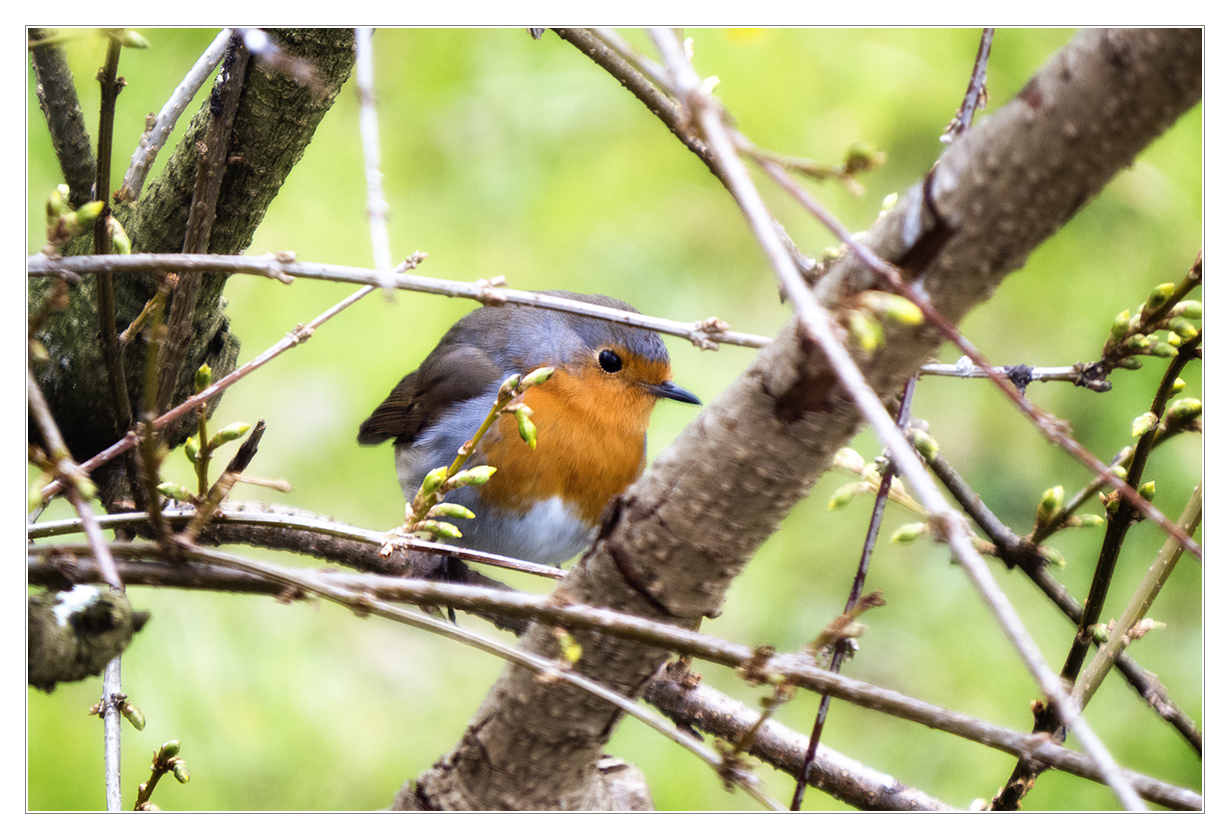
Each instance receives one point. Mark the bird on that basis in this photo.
(541, 505)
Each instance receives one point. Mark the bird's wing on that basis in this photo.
(448, 376)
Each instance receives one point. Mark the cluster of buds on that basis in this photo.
(1158, 327)
(64, 222)
(166, 762)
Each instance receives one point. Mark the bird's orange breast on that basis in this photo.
(591, 443)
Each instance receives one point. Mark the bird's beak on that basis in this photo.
(670, 390)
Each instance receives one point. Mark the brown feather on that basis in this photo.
(450, 374)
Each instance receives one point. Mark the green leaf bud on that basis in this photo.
(1119, 326)
(133, 714)
(1051, 501)
(1156, 300)
(1141, 343)
(169, 750)
(1184, 328)
(526, 427)
(850, 460)
(909, 532)
(510, 384)
(1110, 502)
(891, 307)
(86, 488)
(192, 448)
(234, 431)
(537, 377)
(173, 490)
(87, 213)
(474, 476)
(57, 205)
(441, 529)
(119, 239)
(1183, 411)
(1192, 309)
(133, 39)
(925, 444)
(456, 511)
(1148, 490)
(1086, 520)
(1176, 388)
(180, 770)
(433, 479)
(1164, 350)
(843, 496)
(1131, 363)
(1099, 633)
(1145, 422)
(867, 331)
(861, 156)
(204, 376)
(1052, 556)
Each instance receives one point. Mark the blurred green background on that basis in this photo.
(508, 156)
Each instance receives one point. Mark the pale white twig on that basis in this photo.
(706, 333)
(110, 713)
(156, 136)
(1093, 675)
(369, 131)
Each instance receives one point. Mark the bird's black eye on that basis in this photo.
(610, 361)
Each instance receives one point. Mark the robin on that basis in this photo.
(541, 505)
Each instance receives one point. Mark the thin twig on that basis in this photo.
(702, 708)
(1019, 374)
(842, 647)
(1121, 518)
(975, 94)
(105, 294)
(103, 282)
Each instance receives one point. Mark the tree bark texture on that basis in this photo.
(276, 120)
(671, 545)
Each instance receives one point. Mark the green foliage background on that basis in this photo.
(507, 156)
